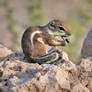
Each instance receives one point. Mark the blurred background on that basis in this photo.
(17, 15)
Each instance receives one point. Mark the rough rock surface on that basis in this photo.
(4, 51)
(17, 75)
(87, 46)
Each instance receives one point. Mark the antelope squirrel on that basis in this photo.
(36, 50)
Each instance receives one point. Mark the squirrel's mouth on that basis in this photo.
(62, 37)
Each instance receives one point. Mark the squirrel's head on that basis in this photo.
(58, 26)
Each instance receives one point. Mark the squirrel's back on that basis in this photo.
(31, 46)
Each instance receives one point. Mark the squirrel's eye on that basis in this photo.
(61, 28)
(52, 25)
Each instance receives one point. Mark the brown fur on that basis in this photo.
(39, 48)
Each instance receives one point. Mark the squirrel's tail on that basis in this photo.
(52, 57)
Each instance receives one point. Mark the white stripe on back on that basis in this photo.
(32, 36)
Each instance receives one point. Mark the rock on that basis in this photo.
(4, 51)
(80, 88)
(85, 73)
(65, 56)
(61, 77)
(87, 46)
(17, 75)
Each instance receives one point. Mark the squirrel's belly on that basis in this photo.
(39, 49)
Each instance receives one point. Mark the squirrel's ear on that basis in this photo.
(52, 24)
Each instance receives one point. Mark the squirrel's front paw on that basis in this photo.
(63, 43)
